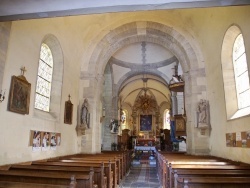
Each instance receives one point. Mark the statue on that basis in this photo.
(113, 126)
(203, 113)
(85, 114)
(84, 122)
(123, 117)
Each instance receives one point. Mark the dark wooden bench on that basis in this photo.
(187, 173)
(176, 166)
(5, 184)
(213, 182)
(98, 171)
(48, 178)
(99, 157)
(118, 162)
(114, 168)
(107, 168)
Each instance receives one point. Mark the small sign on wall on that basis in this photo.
(239, 139)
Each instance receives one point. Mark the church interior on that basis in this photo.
(96, 77)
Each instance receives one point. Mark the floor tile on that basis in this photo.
(143, 175)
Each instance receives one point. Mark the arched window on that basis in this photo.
(235, 74)
(166, 119)
(48, 94)
(44, 79)
(241, 73)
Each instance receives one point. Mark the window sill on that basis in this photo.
(241, 113)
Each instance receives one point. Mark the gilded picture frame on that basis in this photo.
(19, 96)
(180, 125)
(145, 123)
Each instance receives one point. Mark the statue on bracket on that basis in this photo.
(84, 122)
(85, 115)
(203, 120)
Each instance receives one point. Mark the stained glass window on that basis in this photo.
(241, 73)
(123, 117)
(44, 78)
(167, 119)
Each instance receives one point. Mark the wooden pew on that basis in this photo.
(114, 168)
(98, 171)
(5, 184)
(126, 158)
(107, 168)
(187, 173)
(214, 182)
(117, 157)
(170, 163)
(48, 178)
(118, 161)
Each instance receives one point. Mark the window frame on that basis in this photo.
(238, 77)
(230, 92)
(57, 81)
(46, 80)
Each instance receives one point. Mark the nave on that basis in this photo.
(142, 175)
(119, 169)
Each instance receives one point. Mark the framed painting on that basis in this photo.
(145, 123)
(68, 112)
(19, 97)
(180, 125)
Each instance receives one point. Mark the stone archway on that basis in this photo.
(187, 53)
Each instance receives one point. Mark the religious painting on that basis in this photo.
(145, 122)
(53, 141)
(231, 139)
(45, 141)
(58, 139)
(68, 112)
(180, 125)
(36, 140)
(19, 98)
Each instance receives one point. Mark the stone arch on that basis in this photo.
(155, 33)
(188, 53)
(185, 48)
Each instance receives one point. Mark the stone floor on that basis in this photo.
(141, 176)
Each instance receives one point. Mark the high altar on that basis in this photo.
(145, 145)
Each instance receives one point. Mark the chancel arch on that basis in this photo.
(183, 52)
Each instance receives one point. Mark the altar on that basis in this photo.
(145, 148)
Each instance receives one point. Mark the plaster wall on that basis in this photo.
(79, 36)
(220, 21)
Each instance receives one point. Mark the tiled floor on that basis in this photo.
(141, 176)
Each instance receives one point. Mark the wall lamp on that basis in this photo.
(2, 96)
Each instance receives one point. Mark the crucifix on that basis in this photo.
(23, 70)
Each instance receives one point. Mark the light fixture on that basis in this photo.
(2, 96)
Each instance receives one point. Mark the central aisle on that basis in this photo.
(143, 176)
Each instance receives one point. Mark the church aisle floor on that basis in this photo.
(143, 176)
